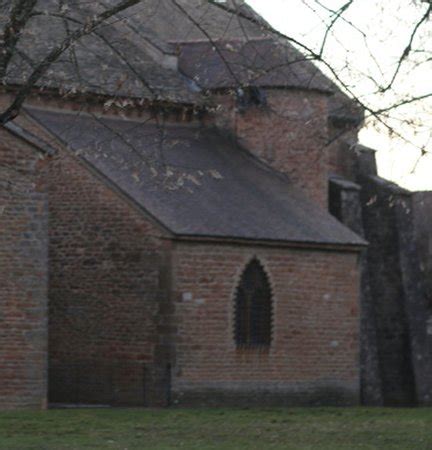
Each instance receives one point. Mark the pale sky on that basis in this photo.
(387, 30)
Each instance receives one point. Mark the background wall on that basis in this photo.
(396, 338)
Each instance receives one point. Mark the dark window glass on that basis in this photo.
(253, 307)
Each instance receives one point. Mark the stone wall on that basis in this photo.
(108, 290)
(23, 276)
(421, 205)
(396, 347)
(345, 204)
(422, 209)
(396, 286)
(313, 357)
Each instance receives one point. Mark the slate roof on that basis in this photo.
(114, 61)
(258, 62)
(118, 59)
(126, 58)
(194, 181)
(164, 19)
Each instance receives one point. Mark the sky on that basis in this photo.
(387, 32)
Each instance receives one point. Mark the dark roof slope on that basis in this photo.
(114, 60)
(135, 58)
(257, 62)
(165, 19)
(122, 58)
(196, 182)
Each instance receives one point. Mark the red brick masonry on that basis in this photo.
(314, 352)
(23, 277)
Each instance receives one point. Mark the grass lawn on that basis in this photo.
(224, 429)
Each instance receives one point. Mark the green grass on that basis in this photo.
(224, 429)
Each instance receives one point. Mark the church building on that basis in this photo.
(169, 241)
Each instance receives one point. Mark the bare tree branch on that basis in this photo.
(336, 17)
(408, 48)
(13, 110)
(18, 18)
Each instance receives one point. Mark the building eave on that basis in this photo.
(319, 246)
(30, 138)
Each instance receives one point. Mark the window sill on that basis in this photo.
(248, 349)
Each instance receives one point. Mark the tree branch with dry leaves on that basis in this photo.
(41, 68)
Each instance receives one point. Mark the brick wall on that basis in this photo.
(23, 277)
(106, 291)
(341, 151)
(289, 133)
(313, 357)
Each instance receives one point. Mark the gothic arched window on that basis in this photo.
(253, 307)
